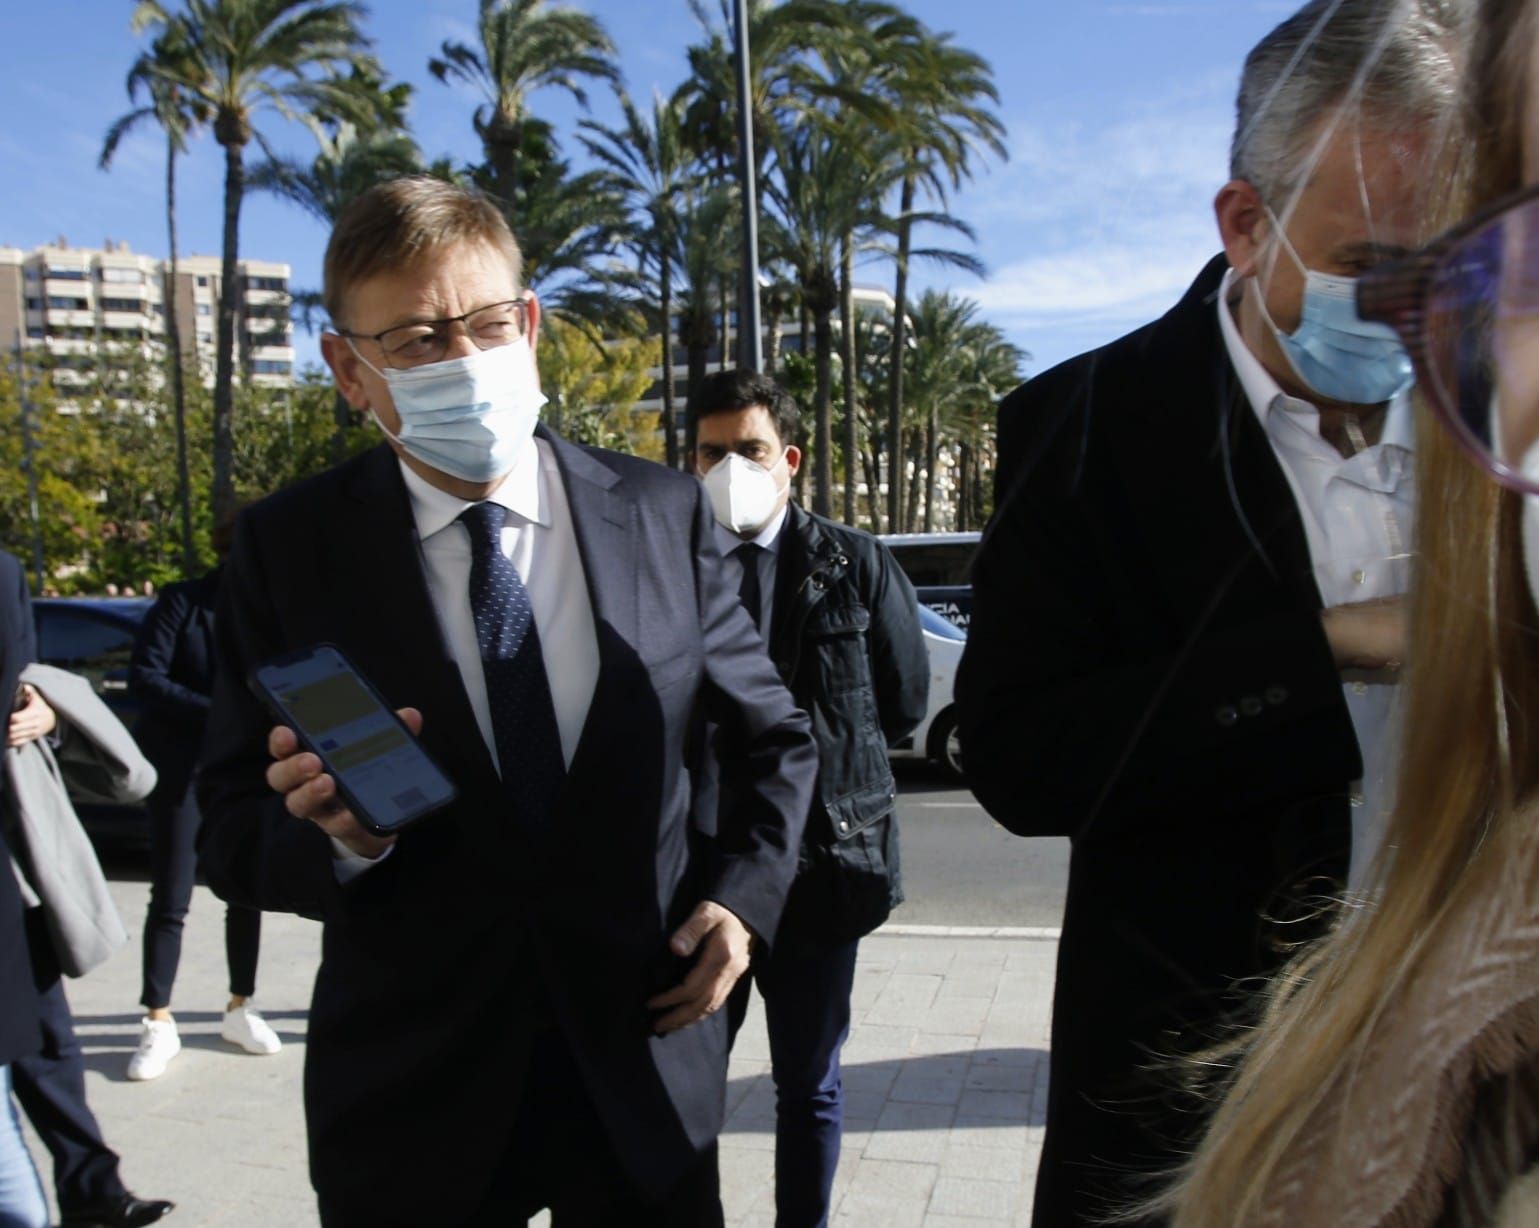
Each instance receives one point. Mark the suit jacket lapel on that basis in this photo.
(396, 622)
(604, 521)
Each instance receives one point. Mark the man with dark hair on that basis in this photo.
(842, 625)
(518, 1007)
(1186, 626)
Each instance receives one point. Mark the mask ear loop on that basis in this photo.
(1283, 244)
(373, 413)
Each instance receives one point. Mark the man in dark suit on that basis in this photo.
(518, 1004)
(1186, 627)
(50, 1081)
(842, 625)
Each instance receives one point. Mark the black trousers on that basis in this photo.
(173, 871)
(51, 1088)
(559, 1157)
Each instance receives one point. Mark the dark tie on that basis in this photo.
(517, 690)
(748, 591)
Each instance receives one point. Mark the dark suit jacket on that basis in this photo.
(845, 637)
(1147, 673)
(439, 962)
(20, 1035)
(172, 674)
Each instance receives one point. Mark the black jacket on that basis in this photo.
(20, 1032)
(439, 964)
(1147, 673)
(171, 673)
(845, 637)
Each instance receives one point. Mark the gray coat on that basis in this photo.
(54, 861)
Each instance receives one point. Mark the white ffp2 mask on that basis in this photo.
(743, 494)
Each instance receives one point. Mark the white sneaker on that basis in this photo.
(158, 1044)
(244, 1027)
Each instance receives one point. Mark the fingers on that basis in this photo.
(706, 917)
(282, 742)
(301, 776)
(701, 994)
(709, 983)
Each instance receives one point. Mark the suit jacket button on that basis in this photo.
(1227, 716)
(1251, 706)
(1276, 696)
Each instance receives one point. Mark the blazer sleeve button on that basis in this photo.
(1227, 716)
(1251, 706)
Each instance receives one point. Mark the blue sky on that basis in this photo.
(1118, 118)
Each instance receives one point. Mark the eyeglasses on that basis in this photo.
(425, 341)
(1467, 309)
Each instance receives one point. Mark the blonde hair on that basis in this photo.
(1470, 756)
(398, 222)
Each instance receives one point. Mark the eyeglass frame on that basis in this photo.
(522, 302)
(1395, 293)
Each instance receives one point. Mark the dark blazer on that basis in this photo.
(845, 637)
(441, 962)
(20, 1032)
(172, 675)
(1146, 672)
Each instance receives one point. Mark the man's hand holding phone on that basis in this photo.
(309, 793)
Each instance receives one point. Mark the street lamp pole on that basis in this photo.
(750, 331)
(29, 464)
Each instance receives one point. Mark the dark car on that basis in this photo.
(94, 637)
(939, 566)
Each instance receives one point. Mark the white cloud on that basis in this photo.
(1091, 231)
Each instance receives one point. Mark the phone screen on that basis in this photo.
(386, 777)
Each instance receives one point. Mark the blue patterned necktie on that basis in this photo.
(517, 690)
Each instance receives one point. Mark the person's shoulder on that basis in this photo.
(1120, 372)
(846, 535)
(178, 590)
(636, 472)
(307, 498)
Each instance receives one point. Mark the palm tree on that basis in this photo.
(941, 95)
(348, 164)
(569, 229)
(825, 187)
(649, 160)
(240, 56)
(704, 249)
(960, 365)
(525, 45)
(153, 77)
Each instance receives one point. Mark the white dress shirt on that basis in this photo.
(768, 541)
(539, 539)
(1357, 514)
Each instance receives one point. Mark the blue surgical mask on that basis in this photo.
(468, 417)
(1334, 351)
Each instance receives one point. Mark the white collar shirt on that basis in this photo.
(768, 541)
(538, 538)
(1357, 514)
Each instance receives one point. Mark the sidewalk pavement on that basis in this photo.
(945, 1078)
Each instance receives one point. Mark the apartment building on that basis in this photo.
(79, 304)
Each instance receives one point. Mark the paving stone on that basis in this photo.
(965, 1196)
(943, 1103)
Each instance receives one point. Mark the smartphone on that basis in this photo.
(383, 774)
